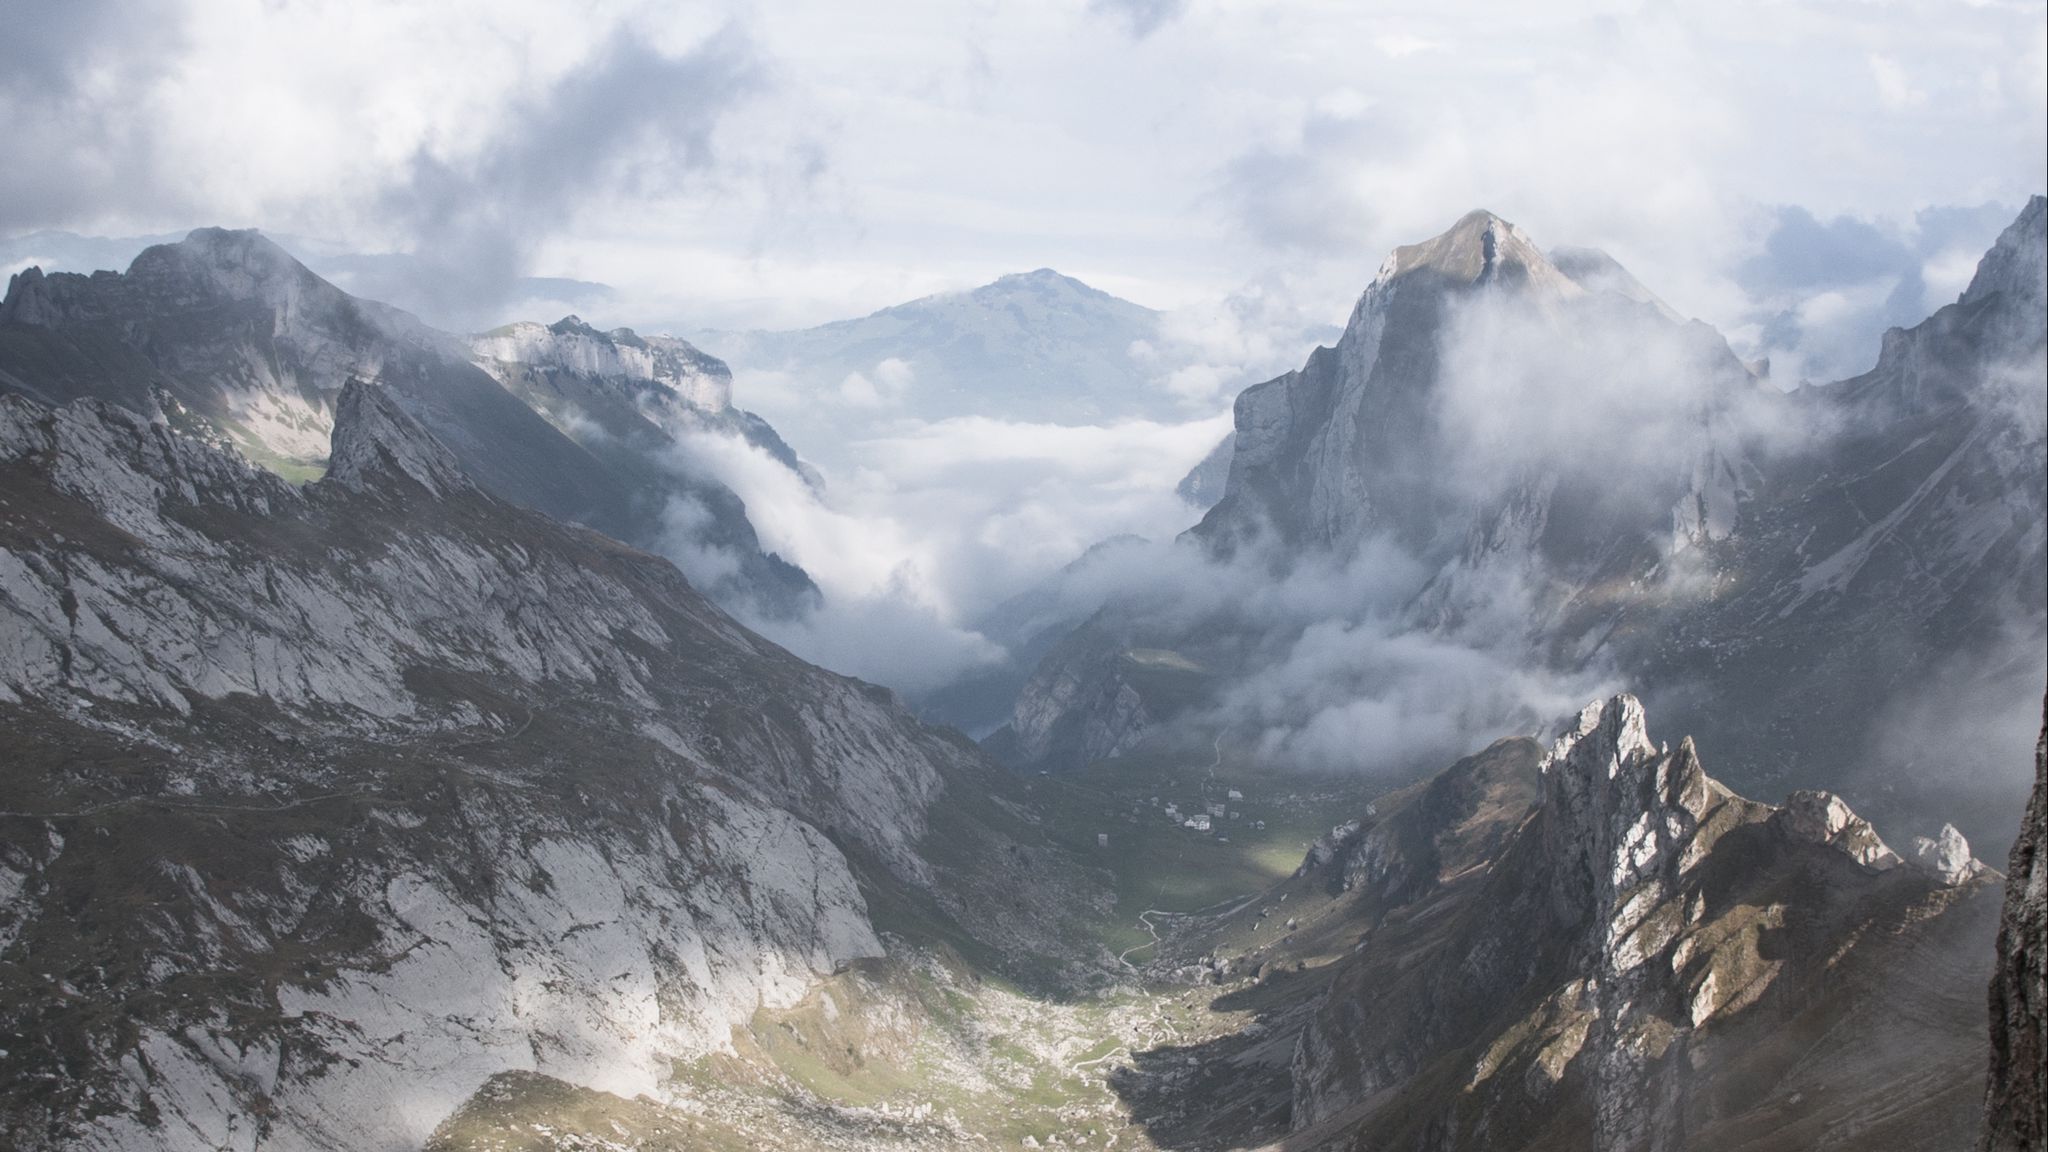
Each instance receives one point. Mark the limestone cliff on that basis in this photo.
(2016, 1097)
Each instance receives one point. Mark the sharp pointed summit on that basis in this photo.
(1481, 248)
(375, 440)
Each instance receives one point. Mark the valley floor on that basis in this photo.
(1212, 966)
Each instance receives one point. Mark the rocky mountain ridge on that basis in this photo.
(231, 339)
(1606, 944)
(327, 803)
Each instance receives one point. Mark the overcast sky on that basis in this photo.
(780, 163)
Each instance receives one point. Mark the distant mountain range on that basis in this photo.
(1035, 347)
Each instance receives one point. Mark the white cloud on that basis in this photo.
(938, 522)
(882, 153)
(1893, 88)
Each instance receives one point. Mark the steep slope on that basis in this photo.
(1904, 548)
(326, 804)
(231, 339)
(1204, 484)
(1619, 950)
(2016, 1089)
(1368, 439)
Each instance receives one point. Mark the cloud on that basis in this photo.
(1315, 662)
(883, 387)
(1140, 17)
(1893, 87)
(72, 77)
(935, 524)
(631, 117)
(883, 153)
(1821, 293)
(1211, 352)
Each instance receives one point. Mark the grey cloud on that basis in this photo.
(631, 119)
(1301, 197)
(78, 150)
(1140, 17)
(1823, 292)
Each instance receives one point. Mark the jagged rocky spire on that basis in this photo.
(376, 441)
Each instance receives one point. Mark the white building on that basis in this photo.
(1199, 823)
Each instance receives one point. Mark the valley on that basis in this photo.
(1511, 756)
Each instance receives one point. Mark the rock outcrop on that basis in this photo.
(1623, 953)
(2016, 1095)
(661, 372)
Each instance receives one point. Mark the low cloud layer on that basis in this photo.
(1821, 294)
(926, 530)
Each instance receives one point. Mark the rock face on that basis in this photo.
(1907, 538)
(227, 338)
(1204, 484)
(1358, 442)
(660, 376)
(1080, 706)
(1613, 950)
(2016, 1097)
(326, 803)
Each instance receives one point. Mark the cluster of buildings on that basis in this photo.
(1211, 817)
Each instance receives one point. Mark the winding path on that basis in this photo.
(1145, 917)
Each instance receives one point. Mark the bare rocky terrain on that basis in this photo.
(388, 810)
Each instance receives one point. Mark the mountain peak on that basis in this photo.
(676, 367)
(1481, 248)
(574, 325)
(240, 264)
(243, 249)
(2017, 264)
(1039, 282)
(375, 440)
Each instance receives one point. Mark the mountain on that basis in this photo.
(1361, 441)
(380, 812)
(446, 298)
(1605, 947)
(227, 336)
(1585, 483)
(328, 805)
(604, 389)
(1889, 570)
(1204, 484)
(1033, 347)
